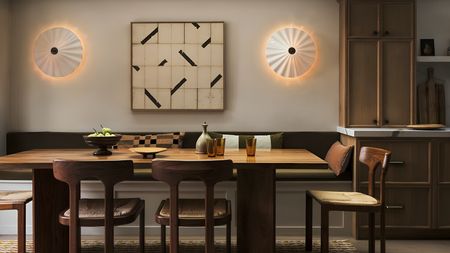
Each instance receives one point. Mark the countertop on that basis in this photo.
(394, 132)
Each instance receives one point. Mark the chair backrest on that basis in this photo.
(108, 172)
(210, 172)
(375, 158)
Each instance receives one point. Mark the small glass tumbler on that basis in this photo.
(220, 146)
(250, 144)
(211, 147)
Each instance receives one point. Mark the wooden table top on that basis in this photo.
(276, 158)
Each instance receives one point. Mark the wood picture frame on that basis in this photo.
(177, 66)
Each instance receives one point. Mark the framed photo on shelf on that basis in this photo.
(427, 47)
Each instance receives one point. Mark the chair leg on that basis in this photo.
(308, 223)
(163, 239)
(382, 231)
(142, 231)
(228, 236)
(371, 232)
(21, 229)
(324, 237)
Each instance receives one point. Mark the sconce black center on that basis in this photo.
(292, 50)
(54, 51)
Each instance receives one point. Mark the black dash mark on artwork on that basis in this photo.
(136, 68)
(163, 62)
(206, 43)
(186, 57)
(216, 80)
(149, 36)
(178, 86)
(196, 25)
(152, 98)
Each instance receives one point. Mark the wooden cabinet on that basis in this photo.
(381, 18)
(363, 82)
(398, 19)
(397, 78)
(377, 51)
(417, 186)
(363, 18)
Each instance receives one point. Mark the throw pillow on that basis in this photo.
(338, 157)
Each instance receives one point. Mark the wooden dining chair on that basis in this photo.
(107, 212)
(17, 200)
(373, 158)
(208, 212)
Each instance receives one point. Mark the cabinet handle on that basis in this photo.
(386, 121)
(395, 207)
(387, 33)
(375, 32)
(375, 121)
(397, 162)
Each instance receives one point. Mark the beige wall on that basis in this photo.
(255, 99)
(4, 73)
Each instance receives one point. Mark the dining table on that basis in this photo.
(256, 188)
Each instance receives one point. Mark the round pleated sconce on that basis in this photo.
(58, 52)
(291, 52)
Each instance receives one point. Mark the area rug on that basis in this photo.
(130, 246)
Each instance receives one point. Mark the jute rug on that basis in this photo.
(130, 246)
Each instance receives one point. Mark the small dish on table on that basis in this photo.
(148, 152)
(426, 126)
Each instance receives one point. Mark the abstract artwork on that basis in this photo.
(291, 52)
(177, 66)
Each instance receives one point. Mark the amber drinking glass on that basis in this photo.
(250, 144)
(211, 147)
(220, 146)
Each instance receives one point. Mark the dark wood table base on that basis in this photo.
(256, 210)
(50, 197)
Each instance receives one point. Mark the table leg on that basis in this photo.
(50, 197)
(256, 210)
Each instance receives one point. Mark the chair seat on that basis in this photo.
(344, 198)
(92, 211)
(15, 197)
(192, 211)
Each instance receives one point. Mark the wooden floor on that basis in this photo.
(411, 246)
(396, 246)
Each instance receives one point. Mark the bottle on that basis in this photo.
(200, 146)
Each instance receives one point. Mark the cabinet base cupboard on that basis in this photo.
(377, 63)
(417, 187)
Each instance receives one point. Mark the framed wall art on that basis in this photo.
(177, 66)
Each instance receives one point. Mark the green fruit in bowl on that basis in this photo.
(106, 130)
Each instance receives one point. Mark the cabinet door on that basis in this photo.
(362, 83)
(363, 18)
(398, 19)
(443, 203)
(397, 82)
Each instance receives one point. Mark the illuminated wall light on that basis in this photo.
(58, 52)
(291, 52)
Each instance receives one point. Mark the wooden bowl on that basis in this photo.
(102, 143)
(148, 152)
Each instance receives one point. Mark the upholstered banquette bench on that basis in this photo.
(316, 142)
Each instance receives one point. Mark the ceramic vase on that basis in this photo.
(200, 146)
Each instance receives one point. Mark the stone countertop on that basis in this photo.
(394, 132)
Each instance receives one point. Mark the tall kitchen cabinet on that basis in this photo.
(377, 63)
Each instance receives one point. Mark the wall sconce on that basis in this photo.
(58, 52)
(291, 52)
